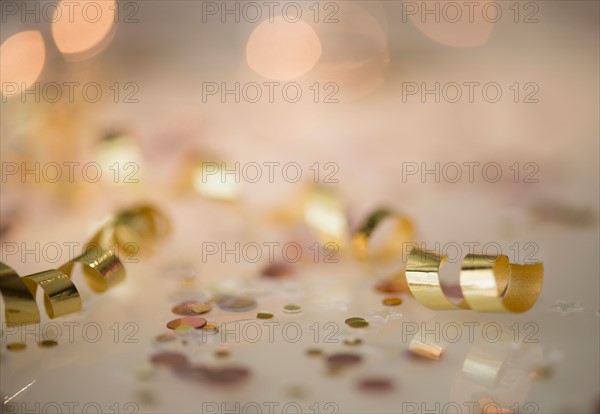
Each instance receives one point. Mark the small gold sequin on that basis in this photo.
(277, 270)
(378, 385)
(167, 337)
(391, 286)
(47, 343)
(211, 327)
(357, 322)
(353, 341)
(222, 353)
(236, 304)
(264, 315)
(291, 308)
(174, 360)
(193, 322)
(342, 360)
(16, 346)
(191, 308)
(314, 352)
(392, 301)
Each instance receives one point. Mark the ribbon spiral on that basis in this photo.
(126, 231)
(488, 283)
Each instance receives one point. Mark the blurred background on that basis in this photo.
(476, 120)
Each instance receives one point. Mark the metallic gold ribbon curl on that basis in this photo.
(101, 267)
(403, 233)
(488, 283)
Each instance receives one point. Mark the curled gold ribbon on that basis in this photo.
(392, 247)
(101, 267)
(488, 283)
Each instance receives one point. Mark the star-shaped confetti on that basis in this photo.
(565, 307)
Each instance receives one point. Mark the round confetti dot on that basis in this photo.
(211, 327)
(376, 385)
(47, 343)
(191, 308)
(392, 301)
(16, 346)
(292, 308)
(314, 352)
(343, 360)
(236, 304)
(357, 322)
(353, 341)
(222, 353)
(264, 315)
(168, 337)
(172, 359)
(391, 286)
(277, 270)
(192, 322)
(226, 376)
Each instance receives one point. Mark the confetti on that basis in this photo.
(222, 353)
(353, 341)
(226, 376)
(277, 270)
(192, 322)
(47, 343)
(357, 322)
(174, 360)
(314, 352)
(391, 286)
(264, 315)
(211, 327)
(392, 301)
(236, 304)
(292, 308)
(191, 308)
(378, 385)
(16, 346)
(166, 337)
(342, 360)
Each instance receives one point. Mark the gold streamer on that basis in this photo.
(102, 269)
(392, 247)
(488, 283)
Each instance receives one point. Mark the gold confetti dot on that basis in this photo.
(222, 353)
(47, 343)
(183, 329)
(165, 337)
(191, 308)
(292, 308)
(264, 315)
(353, 341)
(192, 322)
(211, 327)
(236, 304)
(392, 301)
(16, 346)
(349, 320)
(378, 385)
(314, 352)
(343, 360)
(357, 322)
(391, 286)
